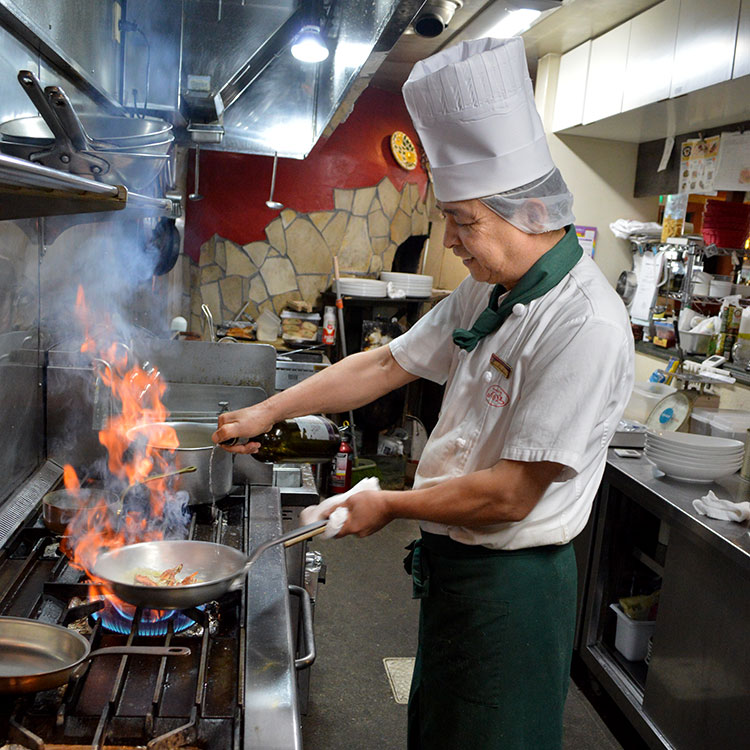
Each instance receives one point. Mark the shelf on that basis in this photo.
(29, 190)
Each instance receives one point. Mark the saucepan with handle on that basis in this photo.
(38, 655)
(132, 573)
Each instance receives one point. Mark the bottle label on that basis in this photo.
(315, 428)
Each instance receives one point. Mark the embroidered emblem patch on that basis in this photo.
(500, 366)
(496, 396)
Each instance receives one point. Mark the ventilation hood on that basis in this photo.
(240, 83)
(221, 71)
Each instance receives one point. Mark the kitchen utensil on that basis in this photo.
(342, 341)
(209, 321)
(61, 506)
(220, 568)
(672, 413)
(212, 478)
(37, 655)
(186, 470)
(271, 203)
(196, 194)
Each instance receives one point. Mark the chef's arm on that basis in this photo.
(350, 383)
(506, 492)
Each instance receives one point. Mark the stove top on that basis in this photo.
(235, 690)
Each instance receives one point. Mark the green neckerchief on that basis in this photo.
(544, 275)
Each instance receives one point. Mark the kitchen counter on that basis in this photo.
(645, 535)
(672, 500)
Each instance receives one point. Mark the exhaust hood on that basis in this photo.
(239, 75)
(221, 71)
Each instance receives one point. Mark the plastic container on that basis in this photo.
(631, 636)
(694, 343)
(298, 327)
(725, 423)
(644, 398)
(720, 286)
(267, 326)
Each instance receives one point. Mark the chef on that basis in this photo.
(535, 350)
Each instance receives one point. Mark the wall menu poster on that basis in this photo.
(587, 239)
(733, 169)
(698, 159)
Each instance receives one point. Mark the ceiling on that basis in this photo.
(555, 31)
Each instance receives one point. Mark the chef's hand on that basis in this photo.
(368, 512)
(243, 423)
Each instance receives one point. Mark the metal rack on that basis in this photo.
(29, 190)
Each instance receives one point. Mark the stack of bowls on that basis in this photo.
(411, 284)
(726, 223)
(693, 458)
(354, 287)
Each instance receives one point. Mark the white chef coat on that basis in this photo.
(549, 385)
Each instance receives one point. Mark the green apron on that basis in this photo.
(495, 641)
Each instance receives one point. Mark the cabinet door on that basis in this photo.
(571, 87)
(704, 52)
(742, 51)
(606, 79)
(648, 75)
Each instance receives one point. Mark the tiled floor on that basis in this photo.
(365, 614)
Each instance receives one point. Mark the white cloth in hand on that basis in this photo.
(722, 510)
(338, 517)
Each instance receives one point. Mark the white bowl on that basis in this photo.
(707, 443)
(694, 453)
(689, 462)
(692, 473)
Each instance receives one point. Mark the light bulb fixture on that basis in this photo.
(309, 45)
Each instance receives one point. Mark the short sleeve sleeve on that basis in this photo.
(427, 348)
(571, 396)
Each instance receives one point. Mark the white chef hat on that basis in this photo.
(473, 107)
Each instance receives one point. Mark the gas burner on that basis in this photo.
(153, 622)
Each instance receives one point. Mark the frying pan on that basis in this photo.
(60, 507)
(38, 656)
(220, 568)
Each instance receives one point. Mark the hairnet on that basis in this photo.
(539, 206)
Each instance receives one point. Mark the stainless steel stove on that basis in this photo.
(237, 689)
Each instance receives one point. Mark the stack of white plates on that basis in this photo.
(412, 284)
(693, 458)
(355, 287)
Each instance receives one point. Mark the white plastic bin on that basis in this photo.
(726, 423)
(645, 396)
(631, 636)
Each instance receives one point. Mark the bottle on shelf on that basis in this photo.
(311, 439)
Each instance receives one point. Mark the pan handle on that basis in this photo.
(288, 539)
(143, 650)
(307, 627)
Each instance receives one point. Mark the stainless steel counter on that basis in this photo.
(672, 500)
(272, 718)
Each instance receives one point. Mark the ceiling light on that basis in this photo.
(514, 23)
(309, 45)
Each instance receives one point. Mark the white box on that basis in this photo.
(631, 636)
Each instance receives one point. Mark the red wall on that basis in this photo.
(236, 186)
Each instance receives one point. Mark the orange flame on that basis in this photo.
(138, 444)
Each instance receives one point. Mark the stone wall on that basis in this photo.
(296, 260)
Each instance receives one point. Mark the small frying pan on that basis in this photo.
(39, 656)
(220, 568)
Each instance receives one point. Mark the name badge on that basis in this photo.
(502, 367)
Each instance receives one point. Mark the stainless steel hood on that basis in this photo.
(239, 53)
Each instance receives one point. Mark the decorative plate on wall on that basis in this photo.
(403, 150)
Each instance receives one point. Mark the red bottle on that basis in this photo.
(341, 467)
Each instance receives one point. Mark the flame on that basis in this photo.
(138, 444)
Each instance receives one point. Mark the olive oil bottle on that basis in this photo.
(311, 439)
